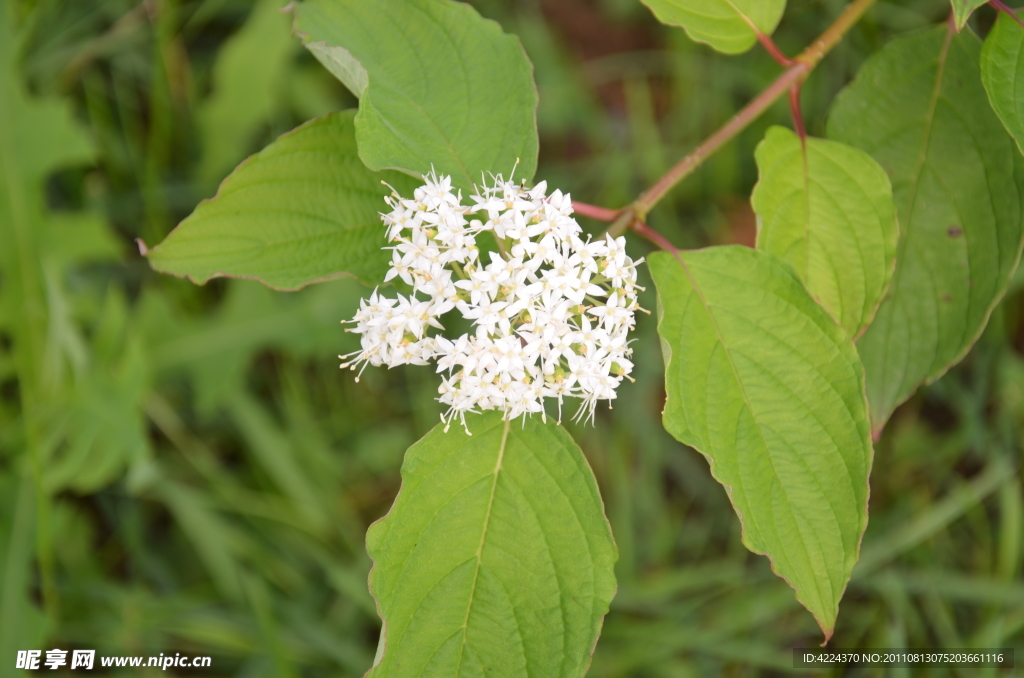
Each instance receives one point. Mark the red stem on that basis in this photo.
(696, 158)
(642, 229)
(595, 212)
(798, 116)
(794, 75)
(1008, 10)
(774, 50)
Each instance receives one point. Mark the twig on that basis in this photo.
(595, 212)
(1007, 10)
(794, 75)
(649, 198)
(798, 116)
(642, 229)
(773, 49)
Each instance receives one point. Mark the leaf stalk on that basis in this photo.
(1002, 7)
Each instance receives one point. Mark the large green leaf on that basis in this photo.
(439, 86)
(918, 107)
(730, 26)
(496, 559)
(962, 10)
(827, 209)
(1002, 72)
(302, 210)
(764, 383)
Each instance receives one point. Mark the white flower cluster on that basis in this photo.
(551, 311)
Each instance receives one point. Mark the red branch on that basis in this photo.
(642, 229)
(595, 212)
(774, 50)
(1007, 10)
(798, 116)
(797, 70)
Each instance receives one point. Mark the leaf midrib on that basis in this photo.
(807, 217)
(748, 20)
(922, 160)
(483, 539)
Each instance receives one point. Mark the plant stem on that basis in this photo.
(773, 49)
(642, 229)
(1006, 10)
(798, 116)
(834, 33)
(649, 198)
(792, 77)
(595, 212)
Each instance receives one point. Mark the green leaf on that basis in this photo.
(764, 383)
(496, 558)
(302, 210)
(247, 78)
(962, 10)
(439, 86)
(730, 26)
(827, 209)
(1002, 73)
(342, 65)
(919, 109)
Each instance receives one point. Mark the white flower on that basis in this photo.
(616, 313)
(550, 311)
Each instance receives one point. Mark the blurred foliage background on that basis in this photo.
(184, 469)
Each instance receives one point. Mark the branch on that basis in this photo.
(772, 49)
(642, 229)
(595, 212)
(792, 77)
(798, 116)
(1007, 10)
